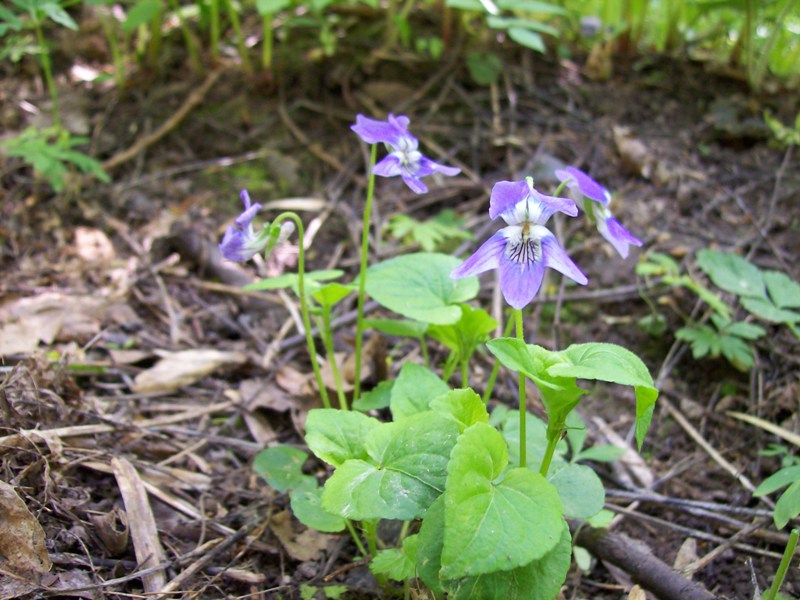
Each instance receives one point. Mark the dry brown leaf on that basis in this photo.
(177, 369)
(48, 317)
(93, 246)
(21, 536)
(146, 544)
(306, 545)
(687, 554)
(112, 529)
(599, 65)
(637, 593)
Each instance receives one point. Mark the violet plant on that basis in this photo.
(483, 497)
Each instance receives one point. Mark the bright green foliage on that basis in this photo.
(313, 281)
(580, 490)
(732, 273)
(540, 579)
(465, 335)
(404, 472)
(378, 397)
(282, 468)
(140, 14)
(726, 338)
(493, 523)
(785, 135)
(432, 234)
(52, 153)
(397, 564)
(307, 507)
(414, 389)
(464, 407)
(336, 436)
(418, 286)
(576, 436)
(398, 327)
(332, 293)
(535, 440)
(555, 375)
(788, 505)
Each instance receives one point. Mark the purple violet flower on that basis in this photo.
(523, 249)
(609, 227)
(404, 157)
(241, 242)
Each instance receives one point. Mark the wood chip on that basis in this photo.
(146, 543)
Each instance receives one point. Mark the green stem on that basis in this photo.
(784, 566)
(523, 419)
(240, 45)
(266, 48)
(553, 437)
(371, 532)
(356, 538)
(449, 366)
(423, 346)
(214, 18)
(191, 47)
(487, 393)
(327, 341)
(301, 289)
(464, 373)
(47, 69)
(113, 45)
(154, 45)
(362, 276)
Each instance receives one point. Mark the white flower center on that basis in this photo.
(408, 155)
(524, 243)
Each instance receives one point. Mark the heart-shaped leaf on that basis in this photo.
(493, 525)
(336, 435)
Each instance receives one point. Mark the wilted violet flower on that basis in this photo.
(241, 242)
(404, 157)
(525, 247)
(608, 226)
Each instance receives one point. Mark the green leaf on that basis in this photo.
(580, 490)
(429, 546)
(270, 7)
(312, 281)
(484, 67)
(533, 6)
(540, 579)
(464, 336)
(58, 14)
(748, 331)
(140, 14)
(307, 507)
(414, 389)
(529, 39)
(601, 453)
(490, 525)
(282, 468)
(405, 472)
(397, 327)
(431, 234)
(784, 292)
(515, 23)
(419, 287)
(336, 436)
(332, 293)
(535, 441)
(559, 394)
(738, 352)
(657, 263)
(732, 273)
(763, 308)
(614, 364)
(788, 505)
(703, 339)
(464, 407)
(777, 480)
(398, 564)
(375, 399)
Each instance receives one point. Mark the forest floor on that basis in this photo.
(99, 284)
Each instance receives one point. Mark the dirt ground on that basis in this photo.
(98, 284)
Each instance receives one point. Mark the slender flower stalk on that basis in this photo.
(523, 404)
(327, 341)
(362, 274)
(241, 242)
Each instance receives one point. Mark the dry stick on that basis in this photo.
(195, 98)
(643, 567)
